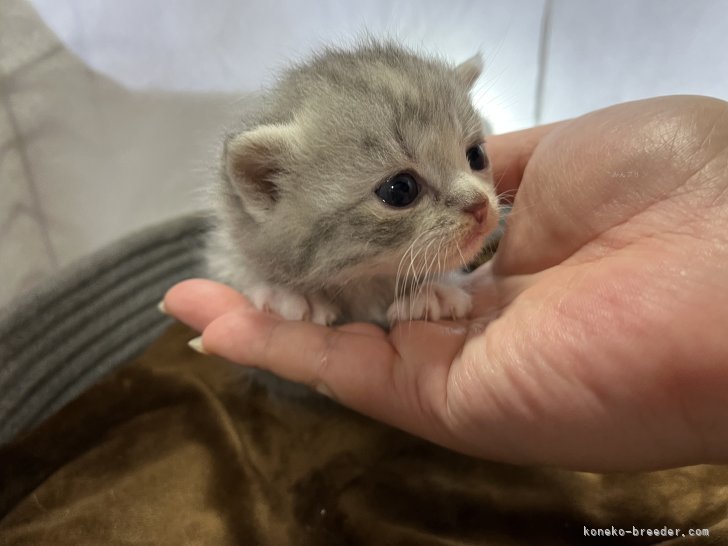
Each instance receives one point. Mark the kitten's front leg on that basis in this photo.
(291, 305)
(445, 299)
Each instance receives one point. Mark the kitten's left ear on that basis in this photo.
(469, 71)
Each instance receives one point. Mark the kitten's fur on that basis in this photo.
(300, 229)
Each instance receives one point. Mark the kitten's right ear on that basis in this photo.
(469, 71)
(253, 161)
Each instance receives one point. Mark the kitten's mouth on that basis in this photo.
(472, 243)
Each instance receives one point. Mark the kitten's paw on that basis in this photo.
(322, 311)
(292, 305)
(432, 302)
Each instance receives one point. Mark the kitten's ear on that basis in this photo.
(253, 161)
(469, 71)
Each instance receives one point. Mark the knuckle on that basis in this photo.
(322, 361)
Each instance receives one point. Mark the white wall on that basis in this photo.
(606, 52)
(231, 45)
(595, 52)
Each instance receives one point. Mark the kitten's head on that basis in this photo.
(363, 163)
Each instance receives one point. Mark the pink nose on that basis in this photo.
(479, 210)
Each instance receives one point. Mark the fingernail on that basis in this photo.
(196, 345)
(321, 388)
(162, 308)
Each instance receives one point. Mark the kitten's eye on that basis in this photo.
(477, 158)
(399, 191)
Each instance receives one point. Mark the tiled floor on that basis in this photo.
(88, 155)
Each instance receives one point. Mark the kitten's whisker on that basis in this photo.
(398, 276)
(414, 278)
(507, 193)
(462, 258)
(429, 276)
(439, 264)
(416, 291)
(420, 279)
(410, 279)
(423, 285)
(436, 272)
(426, 280)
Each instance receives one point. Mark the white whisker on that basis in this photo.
(462, 258)
(398, 277)
(416, 289)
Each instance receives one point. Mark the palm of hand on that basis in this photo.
(597, 331)
(611, 295)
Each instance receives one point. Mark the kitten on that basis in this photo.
(357, 190)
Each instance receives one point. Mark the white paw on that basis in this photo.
(322, 311)
(432, 302)
(292, 305)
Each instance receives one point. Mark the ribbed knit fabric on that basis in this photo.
(90, 318)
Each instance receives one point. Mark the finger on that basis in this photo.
(361, 369)
(509, 154)
(345, 364)
(364, 328)
(197, 302)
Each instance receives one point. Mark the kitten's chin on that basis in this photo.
(472, 244)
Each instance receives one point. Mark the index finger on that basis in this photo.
(509, 154)
(397, 379)
(197, 302)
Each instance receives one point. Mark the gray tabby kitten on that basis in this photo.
(357, 190)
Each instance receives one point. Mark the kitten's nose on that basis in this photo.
(479, 210)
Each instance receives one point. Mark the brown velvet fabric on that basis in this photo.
(176, 449)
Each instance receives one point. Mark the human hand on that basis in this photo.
(599, 336)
